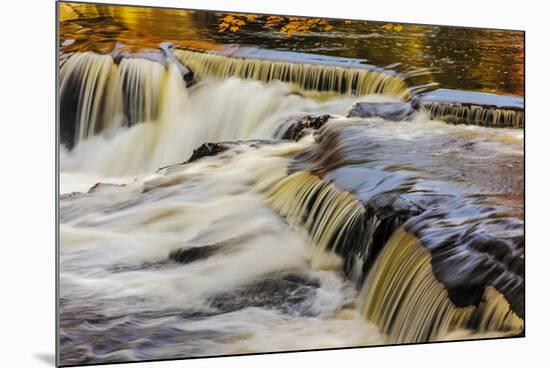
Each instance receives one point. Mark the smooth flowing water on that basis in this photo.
(357, 231)
(267, 287)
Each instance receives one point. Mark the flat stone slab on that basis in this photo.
(449, 96)
(394, 111)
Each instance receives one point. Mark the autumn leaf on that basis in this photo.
(289, 25)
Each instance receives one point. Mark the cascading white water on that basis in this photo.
(98, 92)
(143, 82)
(114, 243)
(211, 111)
(118, 281)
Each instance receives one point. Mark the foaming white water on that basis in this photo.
(117, 278)
(213, 111)
(94, 81)
(114, 262)
(258, 330)
(211, 202)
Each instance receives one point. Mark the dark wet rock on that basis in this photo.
(198, 249)
(119, 268)
(89, 335)
(468, 256)
(394, 111)
(207, 149)
(100, 186)
(322, 157)
(303, 126)
(87, 331)
(188, 255)
(475, 240)
(215, 148)
(290, 293)
(384, 214)
(185, 71)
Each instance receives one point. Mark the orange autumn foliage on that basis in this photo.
(290, 25)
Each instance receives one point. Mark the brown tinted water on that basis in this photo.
(268, 244)
(457, 58)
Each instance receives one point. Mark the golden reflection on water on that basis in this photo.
(99, 27)
(459, 58)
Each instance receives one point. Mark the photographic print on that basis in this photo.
(234, 183)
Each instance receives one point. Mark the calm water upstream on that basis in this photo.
(457, 58)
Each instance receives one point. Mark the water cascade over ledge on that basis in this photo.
(105, 92)
(245, 205)
(401, 292)
(462, 107)
(307, 78)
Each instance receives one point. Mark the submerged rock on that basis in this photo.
(161, 56)
(188, 255)
(100, 186)
(69, 196)
(288, 293)
(207, 149)
(394, 111)
(303, 126)
(215, 148)
(467, 257)
(382, 216)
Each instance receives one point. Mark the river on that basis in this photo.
(247, 212)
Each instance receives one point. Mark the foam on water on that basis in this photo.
(115, 243)
(212, 111)
(124, 297)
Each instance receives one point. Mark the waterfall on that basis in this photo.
(142, 85)
(99, 93)
(478, 115)
(403, 297)
(90, 91)
(406, 281)
(310, 79)
(328, 214)
(405, 230)
(401, 294)
(469, 107)
(173, 120)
